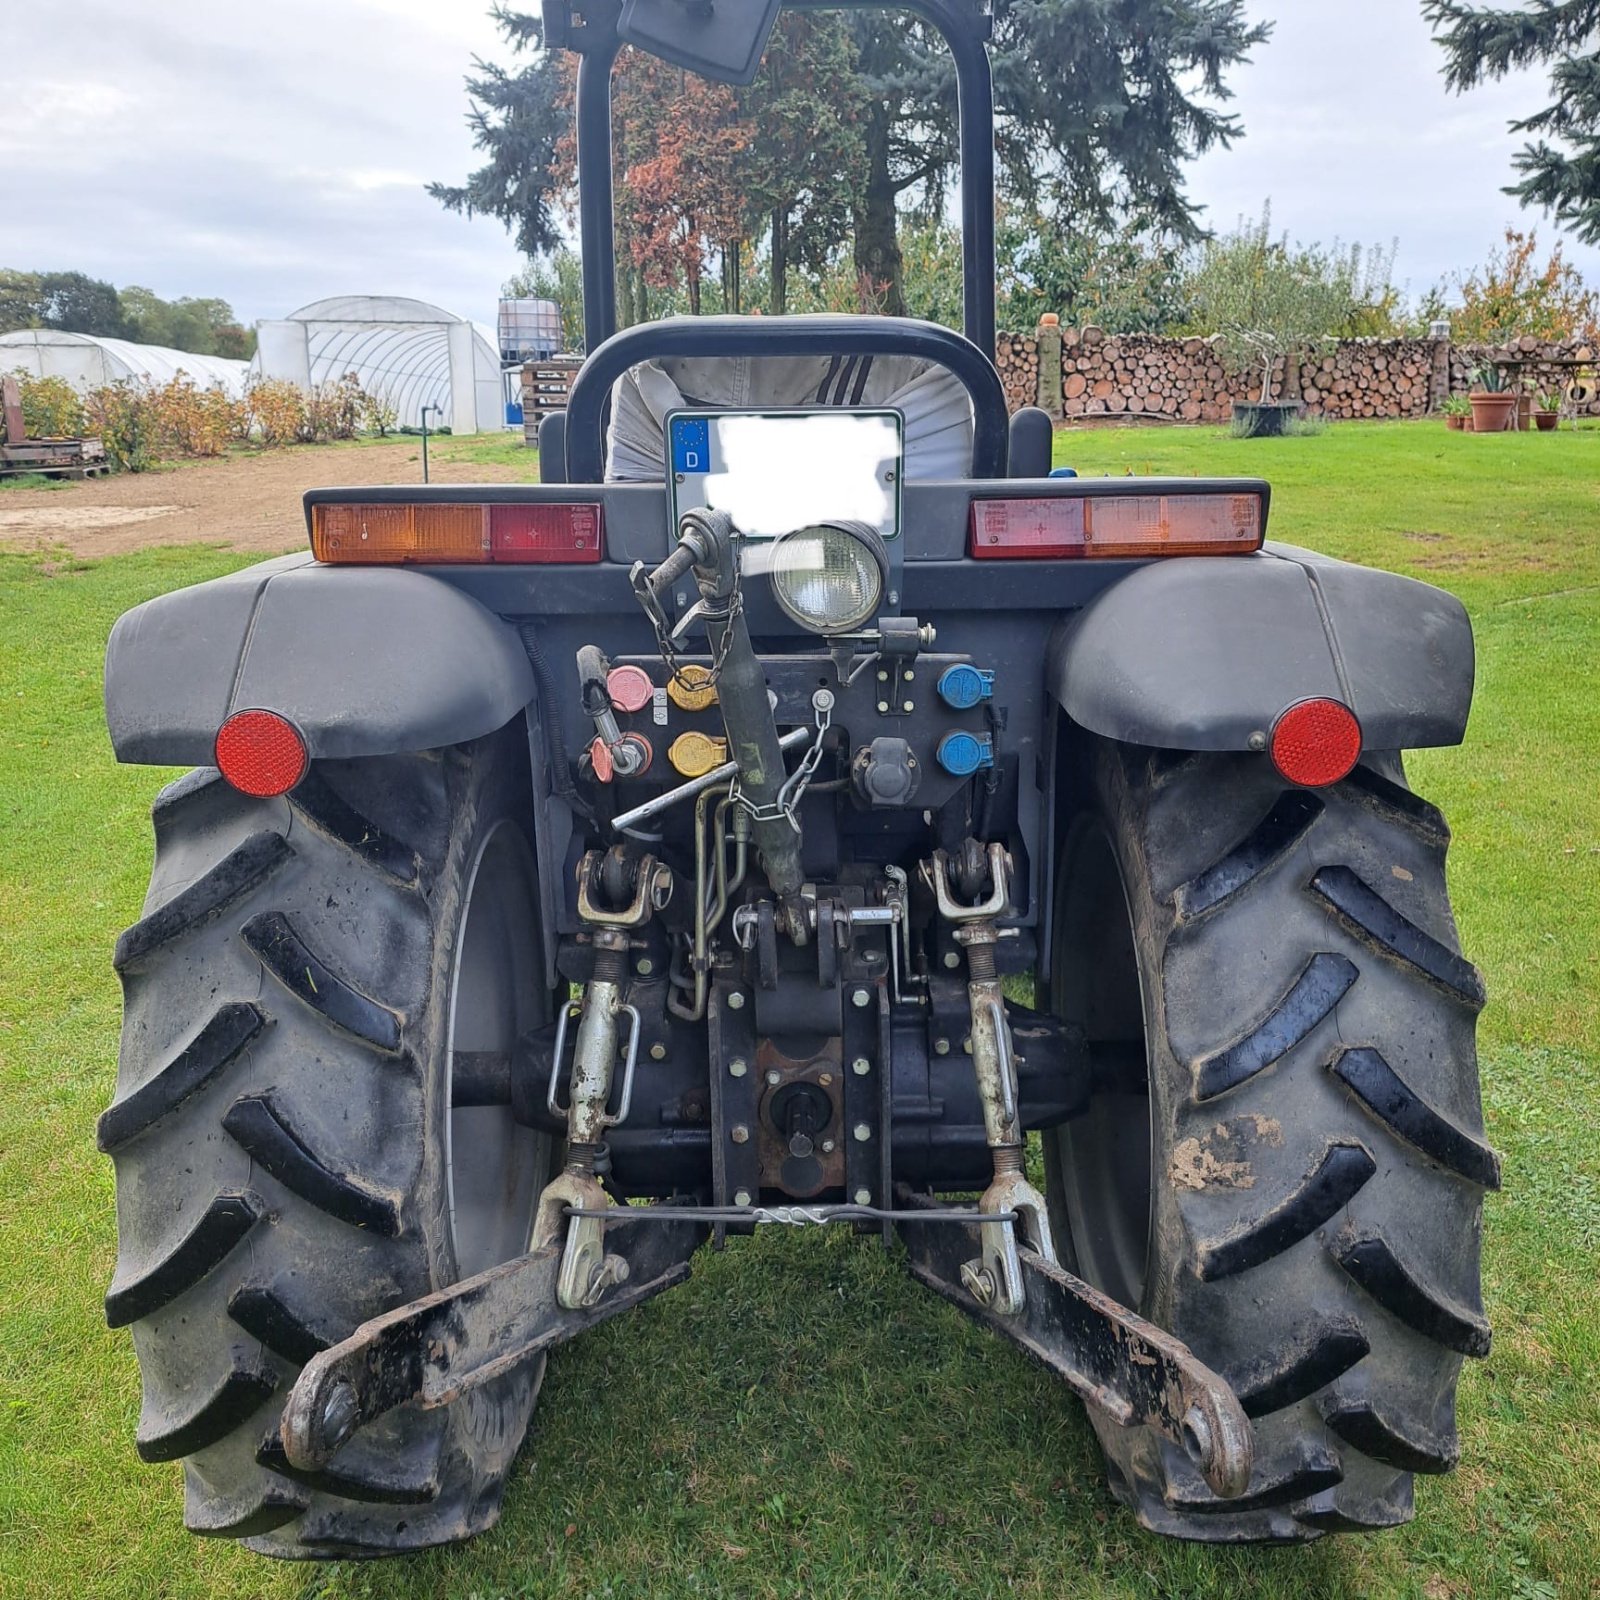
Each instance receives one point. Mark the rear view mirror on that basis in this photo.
(721, 39)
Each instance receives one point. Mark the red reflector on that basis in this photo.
(261, 753)
(545, 533)
(1316, 743)
(1112, 526)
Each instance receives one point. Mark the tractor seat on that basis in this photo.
(934, 403)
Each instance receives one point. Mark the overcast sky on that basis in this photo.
(275, 153)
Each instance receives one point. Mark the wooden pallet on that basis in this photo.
(545, 385)
(54, 458)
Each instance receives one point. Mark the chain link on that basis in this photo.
(794, 786)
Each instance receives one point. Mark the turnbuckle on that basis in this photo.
(586, 1271)
(994, 1279)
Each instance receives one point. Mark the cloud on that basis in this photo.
(275, 154)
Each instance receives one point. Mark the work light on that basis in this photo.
(829, 577)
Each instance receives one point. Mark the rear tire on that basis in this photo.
(288, 1164)
(1293, 1185)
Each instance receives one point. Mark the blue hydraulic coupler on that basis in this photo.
(962, 686)
(961, 754)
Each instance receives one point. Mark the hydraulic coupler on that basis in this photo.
(994, 1279)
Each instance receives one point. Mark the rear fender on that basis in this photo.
(364, 661)
(1206, 653)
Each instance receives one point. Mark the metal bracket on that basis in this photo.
(1126, 1368)
(937, 876)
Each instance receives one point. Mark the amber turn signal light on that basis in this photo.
(388, 532)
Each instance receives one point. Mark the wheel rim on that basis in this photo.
(493, 1167)
(1102, 1158)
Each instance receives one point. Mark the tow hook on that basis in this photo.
(617, 895)
(994, 1279)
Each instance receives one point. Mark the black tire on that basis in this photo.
(1289, 1176)
(283, 1138)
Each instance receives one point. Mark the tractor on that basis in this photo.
(800, 808)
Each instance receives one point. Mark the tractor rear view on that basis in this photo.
(760, 822)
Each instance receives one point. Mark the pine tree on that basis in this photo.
(1561, 163)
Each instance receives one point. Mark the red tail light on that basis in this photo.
(383, 532)
(1316, 742)
(261, 753)
(1116, 526)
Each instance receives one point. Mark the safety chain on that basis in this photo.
(794, 786)
(704, 613)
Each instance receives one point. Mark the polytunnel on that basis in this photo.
(88, 361)
(405, 351)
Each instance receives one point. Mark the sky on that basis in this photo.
(274, 154)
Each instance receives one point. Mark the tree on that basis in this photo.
(1133, 91)
(806, 163)
(519, 120)
(1561, 165)
(1266, 300)
(77, 303)
(1512, 295)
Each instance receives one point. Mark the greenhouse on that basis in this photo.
(88, 361)
(404, 351)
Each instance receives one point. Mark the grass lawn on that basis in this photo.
(800, 1419)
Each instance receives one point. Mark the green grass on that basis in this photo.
(33, 480)
(800, 1419)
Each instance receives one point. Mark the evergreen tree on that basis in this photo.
(1561, 164)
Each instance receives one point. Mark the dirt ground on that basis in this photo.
(249, 502)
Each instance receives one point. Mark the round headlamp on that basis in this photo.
(829, 577)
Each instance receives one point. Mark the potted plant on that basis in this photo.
(1457, 410)
(1549, 411)
(1491, 401)
(1527, 396)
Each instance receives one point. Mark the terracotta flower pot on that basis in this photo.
(1491, 413)
(1454, 422)
(1547, 420)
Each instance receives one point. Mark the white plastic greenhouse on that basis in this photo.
(406, 351)
(87, 361)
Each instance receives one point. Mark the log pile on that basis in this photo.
(1150, 378)
(1017, 358)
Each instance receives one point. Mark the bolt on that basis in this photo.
(979, 1282)
(644, 966)
(1257, 741)
(883, 677)
(910, 705)
(863, 1197)
(862, 1133)
(872, 957)
(658, 1052)
(737, 1067)
(825, 1079)
(966, 1044)
(827, 1147)
(861, 1066)
(611, 1271)
(861, 999)
(883, 706)
(339, 1413)
(952, 958)
(774, 1077)
(741, 1197)
(739, 1133)
(941, 1047)
(909, 675)
(736, 999)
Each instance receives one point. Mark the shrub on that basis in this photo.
(279, 409)
(122, 416)
(51, 408)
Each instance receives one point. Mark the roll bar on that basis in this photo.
(783, 336)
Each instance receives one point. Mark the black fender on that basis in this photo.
(363, 660)
(1204, 653)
